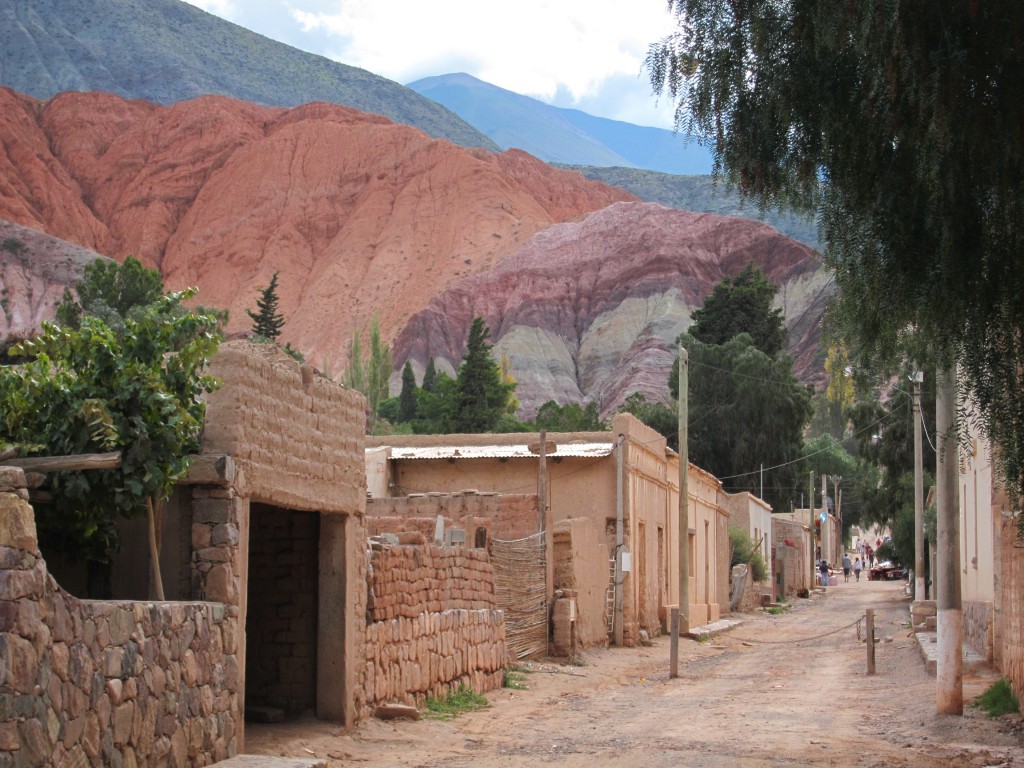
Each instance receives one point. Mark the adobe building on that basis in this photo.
(264, 563)
(613, 495)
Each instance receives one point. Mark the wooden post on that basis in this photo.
(673, 655)
(919, 567)
(869, 621)
(545, 520)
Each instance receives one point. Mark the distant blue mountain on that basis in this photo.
(559, 135)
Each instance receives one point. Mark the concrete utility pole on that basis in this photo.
(949, 694)
(681, 619)
(919, 567)
(812, 558)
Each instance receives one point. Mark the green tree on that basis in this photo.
(267, 322)
(569, 418)
(430, 377)
(661, 418)
(481, 397)
(379, 367)
(741, 304)
(901, 125)
(90, 389)
(407, 397)
(746, 411)
(110, 291)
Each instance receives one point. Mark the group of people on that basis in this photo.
(856, 566)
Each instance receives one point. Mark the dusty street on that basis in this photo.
(739, 701)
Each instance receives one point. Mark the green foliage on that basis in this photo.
(13, 245)
(746, 410)
(569, 418)
(430, 377)
(456, 703)
(894, 106)
(745, 551)
(998, 699)
(267, 322)
(110, 291)
(369, 372)
(658, 416)
(741, 304)
(515, 678)
(407, 397)
(90, 389)
(481, 397)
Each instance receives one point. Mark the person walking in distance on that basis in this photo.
(846, 567)
(823, 569)
(857, 565)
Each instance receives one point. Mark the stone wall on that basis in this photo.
(790, 563)
(432, 625)
(104, 683)
(511, 515)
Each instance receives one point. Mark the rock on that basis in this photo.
(396, 712)
(360, 216)
(590, 310)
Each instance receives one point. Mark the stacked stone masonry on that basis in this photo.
(432, 625)
(91, 683)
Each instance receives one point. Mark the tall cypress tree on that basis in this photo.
(267, 322)
(430, 377)
(480, 395)
(407, 398)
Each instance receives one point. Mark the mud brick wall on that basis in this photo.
(1011, 558)
(512, 516)
(104, 683)
(432, 625)
(977, 619)
(407, 581)
(297, 438)
(582, 566)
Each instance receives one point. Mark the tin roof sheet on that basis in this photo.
(500, 451)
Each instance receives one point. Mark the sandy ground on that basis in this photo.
(764, 694)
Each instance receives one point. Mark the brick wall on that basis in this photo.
(432, 625)
(1012, 630)
(511, 516)
(581, 565)
(106, 683)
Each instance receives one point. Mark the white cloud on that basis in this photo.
(575, 53)
(539, 48)
(226, 9)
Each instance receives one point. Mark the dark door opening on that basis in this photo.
(281, 620)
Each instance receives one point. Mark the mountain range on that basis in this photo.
(582, 284)
(560, 135)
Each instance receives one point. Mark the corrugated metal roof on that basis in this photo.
(500, 451)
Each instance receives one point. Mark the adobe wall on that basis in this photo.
(582, 565)
(1011, 557)
(296, 438)
(792, 570)
(505, 516)
(432, 625)
(101, 683)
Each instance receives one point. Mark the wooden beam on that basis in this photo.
(67, 463)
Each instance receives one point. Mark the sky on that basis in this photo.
(581, 54)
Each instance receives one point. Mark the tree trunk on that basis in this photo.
(156, 583)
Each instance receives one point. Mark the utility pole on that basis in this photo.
(949, 694)
(826, 553)
(919, 566)
(681, 619)
(545, 520)
(812, 558)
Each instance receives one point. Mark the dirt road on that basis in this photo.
(749, 697)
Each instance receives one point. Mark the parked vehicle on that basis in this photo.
(887, 571)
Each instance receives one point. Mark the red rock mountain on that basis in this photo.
(590, 310)
(358, 215)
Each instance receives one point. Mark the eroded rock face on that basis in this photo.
(359, 216)
(34, 271)
(590, 310)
